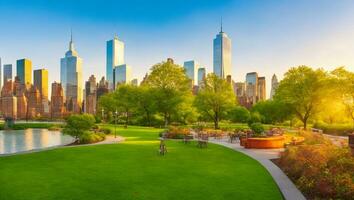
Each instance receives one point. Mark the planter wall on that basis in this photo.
(265, 143)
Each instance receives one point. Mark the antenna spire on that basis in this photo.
(221, 26)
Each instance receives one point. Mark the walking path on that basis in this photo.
(110, 139)
(263, 156)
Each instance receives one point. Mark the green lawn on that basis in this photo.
(134, 170)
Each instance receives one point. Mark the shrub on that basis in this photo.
(77, 125)
(106, 130)
(89, 137)
(335, 129)
(322, 171)
(239, 114)
(257, 128)
(176, 132)
(254, 118)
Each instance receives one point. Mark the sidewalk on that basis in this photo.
(263, 156)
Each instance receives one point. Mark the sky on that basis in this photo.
(268, 36)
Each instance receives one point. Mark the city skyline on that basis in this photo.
(260, 39)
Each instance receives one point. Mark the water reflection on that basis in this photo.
(25, 140)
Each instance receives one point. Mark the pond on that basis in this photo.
(13, 141)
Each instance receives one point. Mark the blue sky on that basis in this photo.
(267, 36)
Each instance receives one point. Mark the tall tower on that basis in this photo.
(275, 84)
(122, 74)
(41, 82)
(222, 54)
(7, 72)
(0, 74)
(114, 58)
(191, 68)
(24, 71)
(71, 78)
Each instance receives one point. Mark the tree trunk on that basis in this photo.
(166, 120)
(216, 120)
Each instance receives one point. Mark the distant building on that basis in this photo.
(261, 89)
(114, 57)
(122, 74)
(201, 75)
(40, 82)
(57, 108)
(24, 71)
(222, 55)
(252, 87)
(275, 85)
(34, 101)
(8, 101)
(135, 82)
(102, 88)
(191, 69)
(71, 79)
(90, 95)
(7, 73)
(0, 74)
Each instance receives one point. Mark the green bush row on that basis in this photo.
(335, 129)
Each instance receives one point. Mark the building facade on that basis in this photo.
(90, 95)
(191, 68)
(24, 71)
(57, 108)
(122, 74)
(222, 55)
(261, 89)
(114, 57)
(274, 86)
(7, 73)
(71, 79)
(201, 75)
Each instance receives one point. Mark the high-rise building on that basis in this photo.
(222, 55)
(240, 92)
(135, 82)
(275, 85)
(7, 73)
(261, 89)
(90, 95)
(102, 88)
(191, 69)
(8, 101)
(251, 87)
(24, 71)
(57, 108)
(122, 74)
(201, 75)
(34, 108)
(114, 57)
(71, 79)
(41, 82)
(0, 74)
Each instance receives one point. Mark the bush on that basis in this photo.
(106, 130)
(254, 118)
(176, 132)
(239, 114)
(89, 137)
(335, 129)
(257, 128)
(322, 171)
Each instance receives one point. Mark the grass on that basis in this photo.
(134, 170)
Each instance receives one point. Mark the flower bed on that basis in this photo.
(265, 143)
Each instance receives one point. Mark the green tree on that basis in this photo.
(344, 86)
(239, 114)
(215, 98)
(272, 111)
(77, 125)
(303, 90)
(146, 103)
(125, 97)
(171, 86)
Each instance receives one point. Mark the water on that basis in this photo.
(30, 139)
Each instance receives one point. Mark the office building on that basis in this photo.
(57, 108)
(222, 55)
(90, 95)
(122, 74)
(24, 71)
(201, 75)
(7, 73)
(274, 86)
(191, 69)
(261, 89)
(71, 79)
(252, 87)
(114, 57)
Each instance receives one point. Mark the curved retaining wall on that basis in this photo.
(265, 143)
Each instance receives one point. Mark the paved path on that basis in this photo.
(110, 139)
(263, 156)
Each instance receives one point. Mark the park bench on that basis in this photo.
(203, 140)
(187, 138)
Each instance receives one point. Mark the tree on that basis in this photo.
(146, 104)
(272, 111)
(344, 85)
(77, 125)
(302, 89)
(171, 87)
(239, 114)
(215, 98)
(126, 100)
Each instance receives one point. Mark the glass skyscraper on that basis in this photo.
(71, 79)
(24, 71)
(191, 68)
(7, 72)
(40, 81)
(201, 75)
(122, 74)
(222, 55)
(114, 57)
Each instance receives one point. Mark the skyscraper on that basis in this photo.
(191, 68)
(90, 95)
(261, 89)
(222, 55)
(114, 57)
(71, 79)
(251, 87)
(0, 74)
(41, 82)
(7, 73)
(275, 84)
(201, 75)
(57, 101)
(122, 74)
(24, 71)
